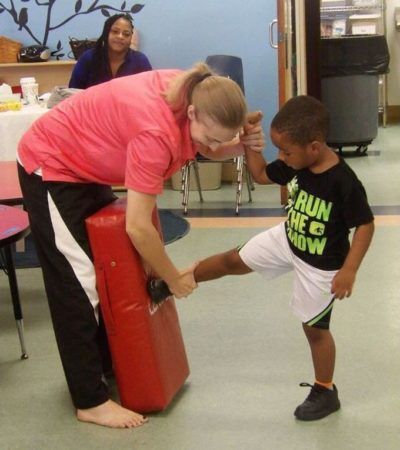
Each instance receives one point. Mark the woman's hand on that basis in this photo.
(185, 283)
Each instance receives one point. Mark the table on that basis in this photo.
(14, 225)
(13, 125)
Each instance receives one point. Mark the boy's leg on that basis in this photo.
(323, 398)
(323, 353)
(211, 268)
(217, 266)
(313, 303)
(266, 253)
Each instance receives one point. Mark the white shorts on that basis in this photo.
(269, 254)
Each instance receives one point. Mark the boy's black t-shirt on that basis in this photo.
(322, 208)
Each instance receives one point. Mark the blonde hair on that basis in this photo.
(218, 97)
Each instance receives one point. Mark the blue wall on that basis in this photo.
(176, 33)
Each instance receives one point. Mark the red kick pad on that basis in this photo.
(145, 340)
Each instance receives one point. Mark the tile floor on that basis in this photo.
(246, 351)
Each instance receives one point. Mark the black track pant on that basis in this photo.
(57, 213)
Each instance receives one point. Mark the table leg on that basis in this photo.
(12, 279)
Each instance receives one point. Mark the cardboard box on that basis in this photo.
(330, 3)
(365, 23)
(370, 3)
(339, 27)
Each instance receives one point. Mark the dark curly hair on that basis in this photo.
(303, 119)
(101, 62)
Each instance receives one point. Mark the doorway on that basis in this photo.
(298, 45)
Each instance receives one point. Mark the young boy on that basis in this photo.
(325, 200)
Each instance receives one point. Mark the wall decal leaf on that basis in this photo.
(136, 8)
(78, 6)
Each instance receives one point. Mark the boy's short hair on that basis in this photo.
(304, 119)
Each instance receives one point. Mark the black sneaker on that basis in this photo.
(158, 290)
(320, 403)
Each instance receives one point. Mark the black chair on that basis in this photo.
(231, 67)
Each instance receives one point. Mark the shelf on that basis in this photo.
(37, 64)
(351, 8)
(380, 29)
(48, 74)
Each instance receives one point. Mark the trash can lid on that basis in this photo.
(354, 55)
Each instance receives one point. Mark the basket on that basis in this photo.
(9, 50)
(79, 46)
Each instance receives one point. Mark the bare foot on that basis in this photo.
(110, 414)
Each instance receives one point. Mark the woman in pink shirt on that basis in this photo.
(134, 131)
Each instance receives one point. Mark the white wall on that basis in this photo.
(175, 33)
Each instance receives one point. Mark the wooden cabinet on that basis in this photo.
(48, 74)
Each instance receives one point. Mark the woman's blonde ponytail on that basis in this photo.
(214, 95)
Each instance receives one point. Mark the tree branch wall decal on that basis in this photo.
(21, 16)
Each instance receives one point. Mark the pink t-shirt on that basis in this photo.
(116, 133)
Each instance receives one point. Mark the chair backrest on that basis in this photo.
(232, 67)
(227, 65)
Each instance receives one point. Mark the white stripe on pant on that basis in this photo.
(57, 213)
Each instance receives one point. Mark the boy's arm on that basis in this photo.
(343, 281)
(254, 158)
(257, 166)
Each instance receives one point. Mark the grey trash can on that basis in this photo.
(350, 71)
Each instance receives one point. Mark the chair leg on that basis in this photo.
(186, 183)
(183, 175)
(12, 279)
(249, 181)
(239, 188)
(197, 175)
(249, 177)
(185, 187)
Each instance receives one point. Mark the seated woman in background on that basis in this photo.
(111, 57)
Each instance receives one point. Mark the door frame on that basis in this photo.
(312, 11)
(302, 37)
(292, 14)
